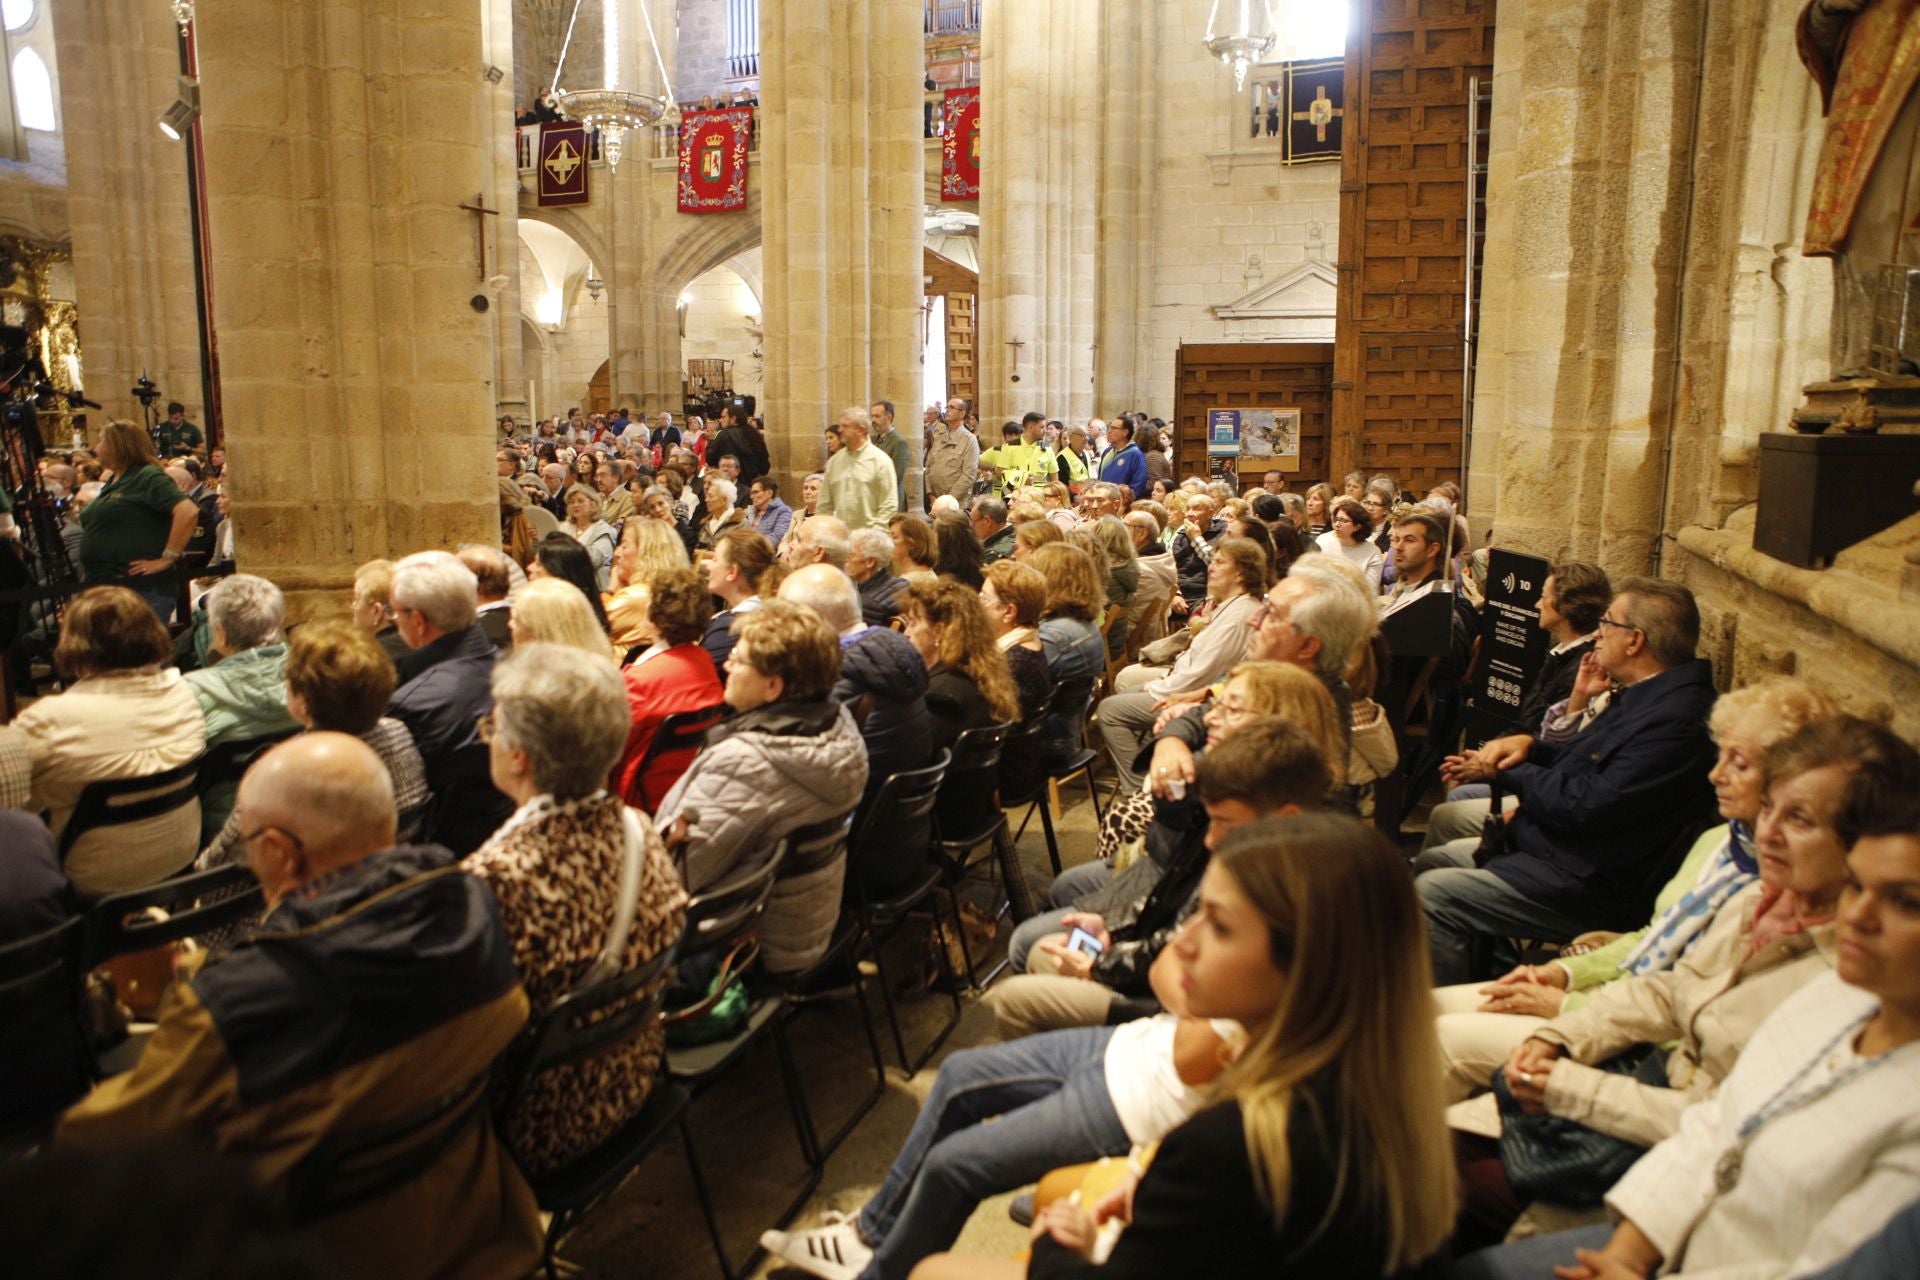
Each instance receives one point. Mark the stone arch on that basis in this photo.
(577, 228)
(707, 244)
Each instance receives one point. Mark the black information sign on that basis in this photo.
(1512, 645)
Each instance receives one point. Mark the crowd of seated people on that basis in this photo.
(1289, 1038)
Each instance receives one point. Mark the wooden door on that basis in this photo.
(599, 397)
(1400, 364)
(1232, 375)
(961, 379)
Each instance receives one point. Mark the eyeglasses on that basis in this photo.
(248, 837)
(1605, 621)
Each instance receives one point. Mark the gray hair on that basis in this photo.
(435, 585)
(1337, 610)
(814, 477)
(1293, 504)
(247, 610)
(1666, 613)
(945, 502)
(565, 709)
(832, 596)
(716, 484)
(1144, 519)
(988, 507)
(874, 544)
(1111, 533)
(857, 417)
(830, 541)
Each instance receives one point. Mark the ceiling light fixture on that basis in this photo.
(614, 102)
(1245, 43)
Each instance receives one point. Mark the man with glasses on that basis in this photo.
(953, 456)
(380, 984)
(1597, 816)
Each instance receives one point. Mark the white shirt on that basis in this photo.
(1148, 1094)
(1814, 1183)
(1363, 554)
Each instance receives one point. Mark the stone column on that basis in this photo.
(133, 269)
(841, 184)
(503, 231)
(1041, 83)
(341, 139)
(1130, 70)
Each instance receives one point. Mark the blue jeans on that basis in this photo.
(162, 600)
(1470, 914)
(1529, 1259)
(1049, 1093)
(1068, 887)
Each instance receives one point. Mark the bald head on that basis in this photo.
(314, 804)
(181, 477)
(828, 592)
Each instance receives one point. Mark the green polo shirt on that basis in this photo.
(129, 521)
(168, 438)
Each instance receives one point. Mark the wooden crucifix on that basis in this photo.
(480, 213)
(1016, 344)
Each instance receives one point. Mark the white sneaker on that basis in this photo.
(833, 1251)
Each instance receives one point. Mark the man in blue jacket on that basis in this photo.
(1601, 816)
(1124, 463)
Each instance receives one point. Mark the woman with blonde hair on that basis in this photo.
(1324, 1150)
(551, 611)
(1296, 696)
(1033, 535)
(584, 525)
(1319, 509)
(647, 547)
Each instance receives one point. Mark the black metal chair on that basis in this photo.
(587, 1023)
(40, 1009)
(906, 798)
(115, 802)
(1078, 762)
(717, 920)
(682, 731)
(183, 907)
(811, 848)
(967, 817)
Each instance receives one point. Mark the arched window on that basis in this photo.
(15, 14)
(33, 92)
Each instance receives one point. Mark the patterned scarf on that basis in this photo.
(1730, 870)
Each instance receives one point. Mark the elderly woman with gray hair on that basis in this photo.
(721, 515)
(243, 696)
(558, 725)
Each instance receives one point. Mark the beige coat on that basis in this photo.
(124, 725)
(1710, 1003)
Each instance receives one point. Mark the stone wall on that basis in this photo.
(1647, 314)
(719, 306)
(702, 65)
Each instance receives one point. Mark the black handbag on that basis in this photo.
(1493, 831)
(1563, 1162)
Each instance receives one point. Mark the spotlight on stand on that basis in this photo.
(178, 118)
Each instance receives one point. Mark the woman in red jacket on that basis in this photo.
(672, 674)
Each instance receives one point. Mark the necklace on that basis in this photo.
(1790, 1096)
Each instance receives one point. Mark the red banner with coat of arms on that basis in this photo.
(960, 150)
(713, 159)
(561, 165)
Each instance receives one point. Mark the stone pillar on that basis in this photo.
(341, 140)
(503, 231)
(1129, 188)
(841, 184)
(133, 266)
(1041, 83)
(1587, 221)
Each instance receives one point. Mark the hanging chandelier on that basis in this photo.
(182, 13)
(1246, 40)
(613, 100)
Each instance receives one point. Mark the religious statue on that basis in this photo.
(1865, 214)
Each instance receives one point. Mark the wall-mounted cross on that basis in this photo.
(1016, 344)
(1320, 112)
(480, 213)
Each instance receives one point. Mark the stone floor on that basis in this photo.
(747, 1146)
